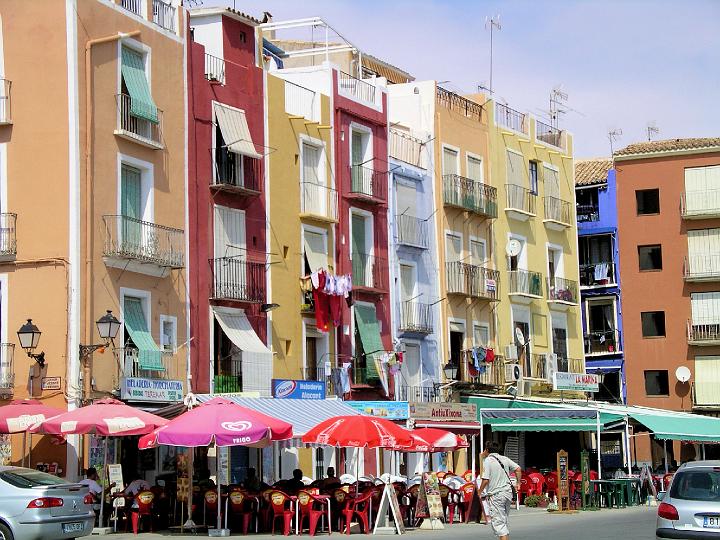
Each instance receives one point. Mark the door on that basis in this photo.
(311, 364)
(410, 370)
(131, 209)
(453, 256)
(559, 338)
(315, 195)
(360, 256)
(229, 266)
(360, 180)
(409, 314)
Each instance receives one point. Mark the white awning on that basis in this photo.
(235, 131)
(256, 358)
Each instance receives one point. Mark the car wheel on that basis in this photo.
(5, 533)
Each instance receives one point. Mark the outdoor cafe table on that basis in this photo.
(615, 486)
(632, 489)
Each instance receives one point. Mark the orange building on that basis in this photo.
(668, 197)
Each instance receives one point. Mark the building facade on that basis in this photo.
(114, 143)
(596, 196)
(668, 222)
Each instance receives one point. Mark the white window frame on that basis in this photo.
(486, 326)
(140, 48)
(147, 185)
(173, 322)
(369, 229)
(146, 300)
(478, 240)
(368, 150)
(477, 157)
(322, 166)
(414, 266)
(560, 266)
(455, 149)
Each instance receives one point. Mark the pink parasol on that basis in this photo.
(358, 432)
(19, 415)
(220, 421)
(434, 440)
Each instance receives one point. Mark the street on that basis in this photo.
(636, 523)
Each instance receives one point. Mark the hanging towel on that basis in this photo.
(489, 355)
(601, 271)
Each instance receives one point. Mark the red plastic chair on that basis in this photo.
(526, 487)
(467, 494)
(358, 506)
(468, 476)
(281, 507)
(338, 503)
(310, 508)
(144, 501)
(666, 480)
(551, 484)
(241, 508)
(538, 483)
(210, 507)
(448, 499)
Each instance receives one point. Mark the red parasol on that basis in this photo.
(358, 432)
(19, 415)
(434, 440)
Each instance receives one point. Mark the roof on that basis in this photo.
(235, 14)
(651, 148)
(392, 73)
(592, 171)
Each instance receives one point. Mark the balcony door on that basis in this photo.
(131, 207)
(360, 155)
(704, 251)
(411, 371)
(559, 341)
(601, 336)
(229, 268)
(361, 250)
(315, 196)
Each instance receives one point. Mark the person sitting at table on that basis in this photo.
(133, 488)
(252, 482)
(91, 481)
(296, 483)
(330, 480)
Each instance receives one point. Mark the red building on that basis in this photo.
(227, 206)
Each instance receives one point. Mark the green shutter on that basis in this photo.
(149, 355)
(369, 330)
(133, 73)
(130, 207)
(360, 263)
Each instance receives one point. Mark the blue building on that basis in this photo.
(595, 193)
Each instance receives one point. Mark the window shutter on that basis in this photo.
(477, 252)
(315, 250)
(406, 203)
(515, 168)
(453, 248)
(407, 282)
(357, 148)
(482, 336)
(130, 198)
(474, 169)
(133, 74)
(359, 240)
(311, 163)
(229, 232)
(450, 161)
(552, 182)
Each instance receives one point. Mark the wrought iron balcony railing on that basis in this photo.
(472, 280)
(562, 290)
(471, 195)
(170, 367)
(214, 69)
(520, 199)
(597, 274)
(134, 6)
(319, 201)
(558, 211)
(235, 172)
(525, 283)
(136, 128)
(236, 278)
(511, 119)
(416, 317)
(8, 237)
(423, 394)
(7, 368)
(359, 89)
(588, 213)
(404, 147)
(412, 231)
(5, 101)
(130, 238)
(369, 272)
(456, 102)
(599, 342)
(368, 183)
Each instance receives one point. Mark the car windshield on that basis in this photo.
(696, 485)
(28, 478)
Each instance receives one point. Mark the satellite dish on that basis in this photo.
(513, 247)
(682, 374)
(519, 337)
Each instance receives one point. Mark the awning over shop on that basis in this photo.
(369, 329)
(686, 427)
(256, 358)
(303, 414)
(235, 131)
(149, 355)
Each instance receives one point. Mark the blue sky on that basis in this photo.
(623, 63)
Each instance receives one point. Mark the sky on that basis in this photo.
(624, 64)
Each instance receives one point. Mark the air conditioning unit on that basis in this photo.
(551, 366)
(511, 352)
(525, 388)
(513, 372)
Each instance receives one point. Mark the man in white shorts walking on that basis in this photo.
(496, 482)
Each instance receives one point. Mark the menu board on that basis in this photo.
(563, 486)
(389, 503)
(115, 475)
(183, 488)
(432, 491)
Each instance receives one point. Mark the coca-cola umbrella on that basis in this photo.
(105, 417)
(18, 415)
(432, 440)
(222, 422)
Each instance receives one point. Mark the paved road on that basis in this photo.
(528, 524)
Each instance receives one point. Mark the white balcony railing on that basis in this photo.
(405, 147)
(318, 200)
(164, 15)
(214, 69)
(136, 128)
(134, 6)
(300, 101)
(357, 88)
(700, 204)
(702, 267)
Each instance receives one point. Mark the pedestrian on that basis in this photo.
(498, 487)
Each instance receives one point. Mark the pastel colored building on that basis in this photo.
(93, 193)
(669, 226)
(596, 196)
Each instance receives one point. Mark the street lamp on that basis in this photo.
(29, 336)
(450, 371)
(108, 327)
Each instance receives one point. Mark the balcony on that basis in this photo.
(407, 148)
(524, 286)
(227, 384)
(548, 134)
(214, 69)
(587, 213)
(356, 88)
(416, 317)
(164, 15)
(511, 119)
(520, 202)
(457, 103)
(558, 214)
(490, 373)
(235, 173)
(368, 184)
(706, 395)
(5, 102)
(471, 195)
(8, 241)
(318, 202)
(473, 281)
(704, 333)
(597, 274)
(143, 247)
(301, 102)
(236, 278)
(412, 231)
(138, 129)
(701, 267)
(602, 342)
(422, 394)
(562, 293)
(369, 272)
(7, 369)
(172, 365)
(700, 204)
(133, 6)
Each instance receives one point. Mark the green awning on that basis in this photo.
(680, 427)
(149, 355)
(133, 73)
(369, 330)
(541, 424)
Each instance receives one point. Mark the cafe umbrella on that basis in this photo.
(106, 418)
(18, 415)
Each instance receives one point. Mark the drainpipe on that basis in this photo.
(86, 367)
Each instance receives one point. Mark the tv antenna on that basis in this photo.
(492, 22)
(614, 135)
(652, 130)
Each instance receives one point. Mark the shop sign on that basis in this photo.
(289, 389)
(581, 382)
(140, 389)
(50, 383)
(457, 412)
(390, 410)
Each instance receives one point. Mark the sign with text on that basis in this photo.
(563, 485)
(390, 410)
(50, 383)
(289, 389)
(581, 382)
(431, 486)
(458, 412)
(140, 389)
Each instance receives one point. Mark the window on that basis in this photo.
(650, 257)
(361, 157)
(696, 484)
(453, 247)
(554, 256)
(450, 163)
(533, 173)
(477, 252)
(168, 333)
(408, 280)
(229, 232)
(406, 199)
(551, 181)
(587, 204)
(311, 163)
(474, 168)
(648, 201)
(656, 382)
(457, 343)
(515, 168)
(316, 252)
(481, 335)
(653, 323)
(137, 108)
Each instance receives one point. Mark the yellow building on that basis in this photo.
(538, 317)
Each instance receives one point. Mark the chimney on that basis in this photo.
(267, 17)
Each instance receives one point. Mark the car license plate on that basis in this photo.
(711, 522)
(75, 526)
